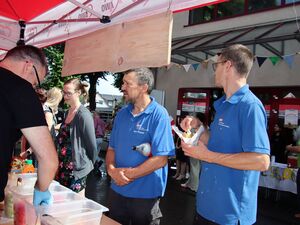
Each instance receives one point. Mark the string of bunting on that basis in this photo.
(288, 59)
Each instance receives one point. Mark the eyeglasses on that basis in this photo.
(68, 94)
(37, 76)
(215, 65)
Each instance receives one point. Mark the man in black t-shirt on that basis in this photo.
(21, 113)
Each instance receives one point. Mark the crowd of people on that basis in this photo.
(224, 158)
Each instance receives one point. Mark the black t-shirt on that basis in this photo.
(19, 108)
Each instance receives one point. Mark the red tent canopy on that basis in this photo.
(44, 22)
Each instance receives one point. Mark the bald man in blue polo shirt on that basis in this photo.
(237, 149)
(138, 181)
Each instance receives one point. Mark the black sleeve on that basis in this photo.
(25, 107)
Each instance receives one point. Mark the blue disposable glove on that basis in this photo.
(42, 197)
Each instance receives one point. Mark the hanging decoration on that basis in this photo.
(261, 60)
(288, 59)
(186, 67)
(195, 66)
(274, 59)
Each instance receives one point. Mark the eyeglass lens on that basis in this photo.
(37, 76)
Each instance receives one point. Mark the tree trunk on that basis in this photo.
(93, 77)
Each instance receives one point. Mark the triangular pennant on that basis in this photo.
(186, 67)
(274, 59)
(205, 64)
(289, 59)
(260, 60)
(195, 66)
(214, 58)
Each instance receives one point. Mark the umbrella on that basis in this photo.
(43, 22)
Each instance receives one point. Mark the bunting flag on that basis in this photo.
(289, 59)
(195, 66)
(274, 59)
(186, 67)
(260, 60)
(214, 58)
(170, 65)
(205, 64)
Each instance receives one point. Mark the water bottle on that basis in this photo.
(144, 149)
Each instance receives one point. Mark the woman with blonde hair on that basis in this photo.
(50, 100)
(76, 139)
(54, 97)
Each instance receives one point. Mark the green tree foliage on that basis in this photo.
(54, 56)
(118, 80)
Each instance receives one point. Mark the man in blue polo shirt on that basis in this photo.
(238, 147)
(138, 181)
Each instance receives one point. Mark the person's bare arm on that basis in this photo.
(117, 174)
(151, 164)
(240, 161)
(43, 147)
(49, 119)
(291, 148)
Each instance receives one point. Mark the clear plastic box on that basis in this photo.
(28, 179)
(84, 212)
(60, 197)
(23, 191)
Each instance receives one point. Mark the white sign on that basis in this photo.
(291, 117)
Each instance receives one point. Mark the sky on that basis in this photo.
(106, 87)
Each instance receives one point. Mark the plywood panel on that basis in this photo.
(141, 43)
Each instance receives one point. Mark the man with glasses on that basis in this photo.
(237, 149)
(21, 113)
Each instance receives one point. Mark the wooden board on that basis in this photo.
(141, 43)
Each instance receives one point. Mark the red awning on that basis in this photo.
(51, 21)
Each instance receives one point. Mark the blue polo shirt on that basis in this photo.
(151, 126)
(227, 195)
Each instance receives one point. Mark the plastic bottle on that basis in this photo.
(144, 149)
(8, 204)
(28, 167)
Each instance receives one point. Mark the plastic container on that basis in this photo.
(56, 187)
(60, 197)
(28, 179)
(84, 212)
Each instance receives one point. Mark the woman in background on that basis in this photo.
(76, 139)
(54, 97)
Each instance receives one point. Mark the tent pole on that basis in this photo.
(86, 8)
(21, 41)
(54, 22)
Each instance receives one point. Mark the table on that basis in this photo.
(279, 177)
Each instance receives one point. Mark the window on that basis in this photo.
(232, 8)
(256, 5)
(235, 8)
(201, 14)
(291, 1)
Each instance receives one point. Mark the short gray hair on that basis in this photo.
(240, 56)
(144, 76)
(25, 52)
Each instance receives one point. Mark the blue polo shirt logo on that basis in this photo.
(222, 124)
(139, 129)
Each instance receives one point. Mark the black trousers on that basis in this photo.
(199, 220)
(133, 211)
